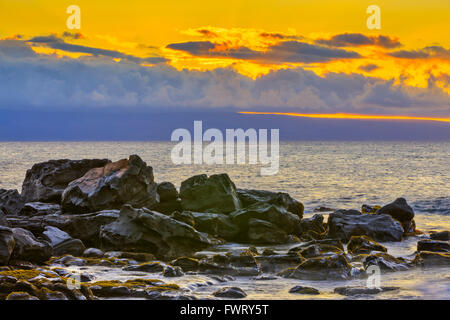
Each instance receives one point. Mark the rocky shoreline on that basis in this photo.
(98, 213)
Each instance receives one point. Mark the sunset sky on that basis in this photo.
(257, 55)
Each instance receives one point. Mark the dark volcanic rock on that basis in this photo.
(353, 291)
(385, 261)
(249, 197)
(28, 248)
(443, 235)
(319, 250)
(142, 230)
(433, 245)
(304, 290)
(10, 201)
(378, 227)
(275, 263)
(432, 259)
(216, 224)
(46, 181)
(214, 194)
(311, 227)
(40, 209)
(230, 292)
(363, 244)
(331, 242)
(399, 210)
(264, 232)
(62, 242)
(7, 243)
(167, 192)
(151, 267)
(127, 181)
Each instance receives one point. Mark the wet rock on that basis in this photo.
(385, 262)
(323, 209)
(363, 244)
(40, 209)
(216, 224)
(433, 245)
(250, 197)
(304, 290)
(62, 242)
(366, 209)
(230, 292)
(399, 210)
(20, 296)
(216, 193)
(319, 249)
(69, 260)
(7, 243)
(264, 232)
(3, 221)
(170, 271)
(353, 291)
(330, 242)
(278, 262)
(443, 236)
(380, 227)
(167, 192)
(46, 181)
(10, 201)
(311, 228)
(186, 217)
(127, 181)
(232, 263)
(335, 267)
(432, 259)
(186, 263)
(151, 267)
(137, 256)
(29, 248)
(142, 230)
(93, 253)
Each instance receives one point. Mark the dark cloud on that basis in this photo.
(358, 39)
(425, 53)
(279, 36)
(207, 33)
(368, 67)
(15, 49)
(75, 35)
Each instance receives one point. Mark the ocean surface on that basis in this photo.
(331, 174)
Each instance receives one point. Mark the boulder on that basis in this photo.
(167, 192)
(363, 244)
(319, 250)
(3, 220)
(433, 245)
(353, 291)
(304, 290)
(29, 248)
(185, 216)
(443, 235)
(249, 197)
(93, 253)
(127, 181)
(62, 242)
(10, 201)
(40, 209)
(400, 211)
(7, 243)
(216, 224)
(264, 232)
(216, 193)
(46, 181)
(230, 292)
(241, 263)
(432, 259)
(311, 228)
(331, 242)
(275, 263)
(142, 230)
(380, 227)
(385, 262)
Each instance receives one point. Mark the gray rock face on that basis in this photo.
(249, 197)
(46, 181)
(62, 242)
(399, 210)
(7, 243)
(28, 248)
(433, 245)
(10, 201)
(214, 194)
(142, 230)
(363, 244)
(127, 181)
(216, 224)
(378, 227)
(264, 232)
(40, 209)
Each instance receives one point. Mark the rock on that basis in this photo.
(401, 211)
(380, 227)
(3, 221)
(216, 224)
(443, 235)
(279, 216)
(93, 253)
(311, 228)
(137, 256)
(330, 242)
(46, 181)
(40, 209)
(319, 249)
(232, 263)
(363, 244)
(62, 242)
(28, 248)
(249, 197)
(264, 232)
(186, 217)
(385, 262)
(20, 296)
(433, 245)
(186, 263)
(335, 267)
(366, 209)
(353, 291)
(278, 262)
(10, 201)
(151, 267)
(214, 194)
(127, 181)
(170, 271)
(142, 230)
(323, 209)
(304, 290)
(7, 243)
(432, 259)
(230, 292)
(167, 192)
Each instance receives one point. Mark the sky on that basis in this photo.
(215, 58)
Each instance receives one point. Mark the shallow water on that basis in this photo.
(332, 174)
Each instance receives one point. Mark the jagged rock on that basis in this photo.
(62, 242)
(170, 271)
(7, 243)
(3, 221)
(275, 263)
(151, 267)
(186, 263)
(385, 261)
(28, 248)
(46, 181)
(311, 228)
(443, 236)
(127, 181)
(432, 259)
(401, 211)
(214, 194)
(319, 249)
(363, 244)
(264, 232)
(249, 197)
(186, 217)
(216, 224)
(382, 227)
(304, 290)
(433, 245)
(230, 292)
(10, 201)
(40, 209)
(335, 267)
(353, 291)
(142, 230)
(331, 242)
